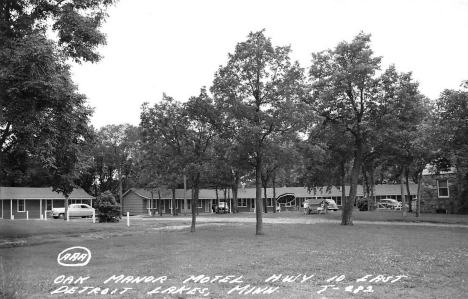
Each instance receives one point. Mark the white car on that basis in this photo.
(222, 208)
(332, 206)
(388, 204)
(74, 210)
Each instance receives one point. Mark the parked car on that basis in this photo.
(74, 210)
(312, 206)
(388, 204)
(332, 206)
(222, 208)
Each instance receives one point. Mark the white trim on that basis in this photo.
(176, 204)
(17, 206)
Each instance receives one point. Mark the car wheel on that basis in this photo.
(61, 216)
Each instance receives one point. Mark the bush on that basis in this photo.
(107, 209)
(362, 204)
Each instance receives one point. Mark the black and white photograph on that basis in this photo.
(234, 149)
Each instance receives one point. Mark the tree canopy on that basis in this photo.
(43, 118)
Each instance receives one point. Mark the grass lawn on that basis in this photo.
(432, 259)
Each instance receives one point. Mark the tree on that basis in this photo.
(327, 153)
(183, 135)
(400, 111)
(258, 91)
(119, 142)
(43, 119)
(343, 93)
(451, 132)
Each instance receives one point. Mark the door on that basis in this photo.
(207, 205)
(73, 211)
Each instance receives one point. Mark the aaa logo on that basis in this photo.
(74, 257)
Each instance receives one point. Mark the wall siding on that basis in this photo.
(134, 204)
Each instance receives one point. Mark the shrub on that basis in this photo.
(107, 209)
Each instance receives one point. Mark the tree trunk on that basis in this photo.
(185, 195)
(372, 207)
(217, 197)
(235, 190)
(418, 200)
(225, 200)
(174, 210)
(410, 209)
(159, 203)
(366, 186)
(120, 192)
(66, 208)
(265, 198)
(347, 218)
(403, 201)
(343, 185)
(258, 195)
(194, 202)
(152, 203)
(273, 179)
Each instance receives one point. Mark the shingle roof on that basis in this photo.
(39, 193)
(386, 189)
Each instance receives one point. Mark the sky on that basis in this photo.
(175, 47)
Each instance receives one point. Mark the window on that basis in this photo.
(338, 200)
(21, 205)
(269, 202)
(292, 203)
(242, 202)
(149, 204)
(189, 204)
(443, 188)
(199, 203)
(49, 205)
(252, 203)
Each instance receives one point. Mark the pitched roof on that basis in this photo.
(39, 193)
(386, 189)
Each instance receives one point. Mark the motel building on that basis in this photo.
(36, 203)
(138, 201)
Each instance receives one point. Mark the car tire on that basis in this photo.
(61, 216)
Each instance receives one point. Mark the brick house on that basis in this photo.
(440, 192)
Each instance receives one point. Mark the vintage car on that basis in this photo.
(74, 210)
(222, 207)
(388, 204)
(325, 205)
